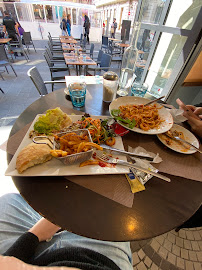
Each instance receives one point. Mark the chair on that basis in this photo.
(116, 55)
(55, 43)
(37, 80)
(193, 222)
(104, 65)
(91, 50)
(4, 62)
(99, 57)
(58, 72)
(28, 40)
(104, 43)
(54, 57)
(83, 44)
(17, 47)
(54, 49)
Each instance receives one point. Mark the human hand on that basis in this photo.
(196, 124)
(10, 263)
(44, 229)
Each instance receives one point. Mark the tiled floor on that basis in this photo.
(171, 251)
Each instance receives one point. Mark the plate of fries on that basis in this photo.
(56, 167)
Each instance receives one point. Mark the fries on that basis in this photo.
(71, 143)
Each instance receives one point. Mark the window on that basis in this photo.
(74, 16)
(39, 12)
(169, 31)
(23, 12)
(49, 13)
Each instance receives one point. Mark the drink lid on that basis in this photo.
(110, 75)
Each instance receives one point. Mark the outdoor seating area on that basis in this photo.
(100, 141)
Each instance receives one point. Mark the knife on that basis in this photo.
(106, 147)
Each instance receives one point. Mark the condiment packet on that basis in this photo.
(142, 176)
(135, 184)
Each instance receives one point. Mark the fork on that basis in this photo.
(112, 160)
(181, 140)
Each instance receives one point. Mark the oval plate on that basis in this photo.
(175, 145)
(163, 112)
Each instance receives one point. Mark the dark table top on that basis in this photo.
(160, 208)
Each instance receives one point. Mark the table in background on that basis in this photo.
(5, 40)
(71, 41)
(78, 61)
(157, 210)
(68, 47)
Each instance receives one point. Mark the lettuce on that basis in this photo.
(53, 120)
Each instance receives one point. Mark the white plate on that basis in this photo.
(56, 167)
(176, 146)
(163, 113)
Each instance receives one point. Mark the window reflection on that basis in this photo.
(49, 13)
(39, 12)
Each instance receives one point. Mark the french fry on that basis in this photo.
(89, 162)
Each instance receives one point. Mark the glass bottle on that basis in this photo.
(128, 66)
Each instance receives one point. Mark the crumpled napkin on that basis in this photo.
(177, 115)
(141, 176)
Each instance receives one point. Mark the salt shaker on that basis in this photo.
(110, 84)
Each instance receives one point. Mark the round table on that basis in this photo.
(160, 208)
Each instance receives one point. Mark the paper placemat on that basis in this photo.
(114, 187)
(187, 166)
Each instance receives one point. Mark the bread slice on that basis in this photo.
(32, 155)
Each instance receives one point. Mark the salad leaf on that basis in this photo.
(54, 119)
(126, 122)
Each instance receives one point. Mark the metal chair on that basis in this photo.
(91, 50)
(116, 55)
(28, 40)
(17, 47)
(54, 56)
(4, 62)
(104, 65)
(104, 43)
(99, 57)
(57, 72)
(37, 80)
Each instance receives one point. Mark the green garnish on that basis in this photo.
(126, 122)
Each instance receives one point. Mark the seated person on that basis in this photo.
(33, 240)
(194, 117)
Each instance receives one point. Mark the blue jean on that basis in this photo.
(17, 217)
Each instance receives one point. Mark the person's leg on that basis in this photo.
(88, 38)
(16, 218)
(118, 252)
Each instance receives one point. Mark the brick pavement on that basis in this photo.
(170, 251)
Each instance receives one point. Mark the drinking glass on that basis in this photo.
(84, 58)
(110, 84)
(139, 90)
(77, 92)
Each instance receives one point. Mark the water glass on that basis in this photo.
(138, 89)
(84, 58)
(77, 92)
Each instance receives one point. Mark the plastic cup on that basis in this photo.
(77, 92)
(139, 90)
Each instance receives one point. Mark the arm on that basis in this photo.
(10, 263)
(4, 29)
(25, 246)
